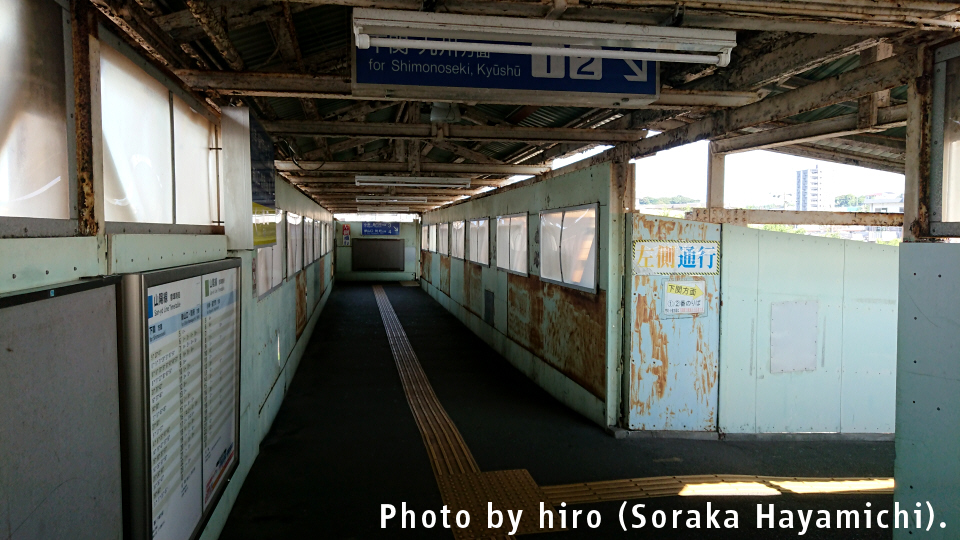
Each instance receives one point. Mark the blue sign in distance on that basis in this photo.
(379, 228)
(421, 67)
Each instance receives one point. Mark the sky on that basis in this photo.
(752, 178)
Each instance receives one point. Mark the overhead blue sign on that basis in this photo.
(575, 74)
(379, 228)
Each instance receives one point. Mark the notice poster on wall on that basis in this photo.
(180, 381)
(684, 297)
(219, 378)
(174, 360)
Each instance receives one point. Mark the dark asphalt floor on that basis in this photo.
(345, 441)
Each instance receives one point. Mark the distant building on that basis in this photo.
(810, 191)
(890, 203)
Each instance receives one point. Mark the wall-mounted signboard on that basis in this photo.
(180, 396)
(411, 73)
(379, 228)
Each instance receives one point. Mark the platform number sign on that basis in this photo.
(544, 79)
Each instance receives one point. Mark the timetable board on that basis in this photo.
(186, 448)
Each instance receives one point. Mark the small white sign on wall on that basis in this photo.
(684, 297)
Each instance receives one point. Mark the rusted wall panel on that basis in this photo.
(445, 274)
(556, 335)
(564, 326)
(426, 261)
(673, 361)
(473, 287)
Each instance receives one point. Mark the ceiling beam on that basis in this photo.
(815, 17)
(268, 84)
(847, 86)
(397, 167)
(741, 216)
(140, 26)
(838, 126)
(209, 21)
(464, 152)
(450, 131)
(868, 161)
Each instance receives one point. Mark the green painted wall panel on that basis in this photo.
(28, 263)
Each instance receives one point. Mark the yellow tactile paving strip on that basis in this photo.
(464, 487)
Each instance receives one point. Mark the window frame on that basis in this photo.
(439, 227)
(36, 227)
(596, 262)
(432, 238)
(290, 273)
(173, 89)
(424, 238)
(507, 269)
(469, 221)
(282, 244)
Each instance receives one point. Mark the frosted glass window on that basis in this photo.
(34, 177)
(294, 244)
(578, 248)
(137, 161)
(503, 242)
(433, 238)
(278, 252)
(568, 246)
(317, 240)
(424, 238)
(270, 264)
(550, 228)
(443, 238)
(518, 244)
(457, 239)
(512, 243)
(195, 165)
(307, 241)
(480, 241)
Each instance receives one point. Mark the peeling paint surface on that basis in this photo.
(426, 260)
(564, 326)
(445, 274)
(473, 287)
(673, 358)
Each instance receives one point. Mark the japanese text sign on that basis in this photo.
(660, 257)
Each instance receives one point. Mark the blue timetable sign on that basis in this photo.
(379, 228)
(398, 72)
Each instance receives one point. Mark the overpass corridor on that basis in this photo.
(397, 402)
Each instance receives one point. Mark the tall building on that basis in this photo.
(810, 190)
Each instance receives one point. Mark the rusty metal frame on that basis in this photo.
(33, 227)
(596, 262)
(938, 227)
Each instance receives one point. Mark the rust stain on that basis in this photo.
(525, 313)
(301, 307)
(445, 275)
(426, 260)
(473, 287)
(646, 315)
(84, 25)
(563, 326)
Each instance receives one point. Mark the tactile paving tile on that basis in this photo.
(507, 490)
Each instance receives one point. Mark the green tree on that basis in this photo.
(849, 200)
(783, 228)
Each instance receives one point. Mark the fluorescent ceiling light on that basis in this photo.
(388, 209)
(412, 181)
(546, 37)
(390, 199)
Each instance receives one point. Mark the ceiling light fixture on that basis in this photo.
(393, 28)
(390, 199)
(413, 181)
(383, 209)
